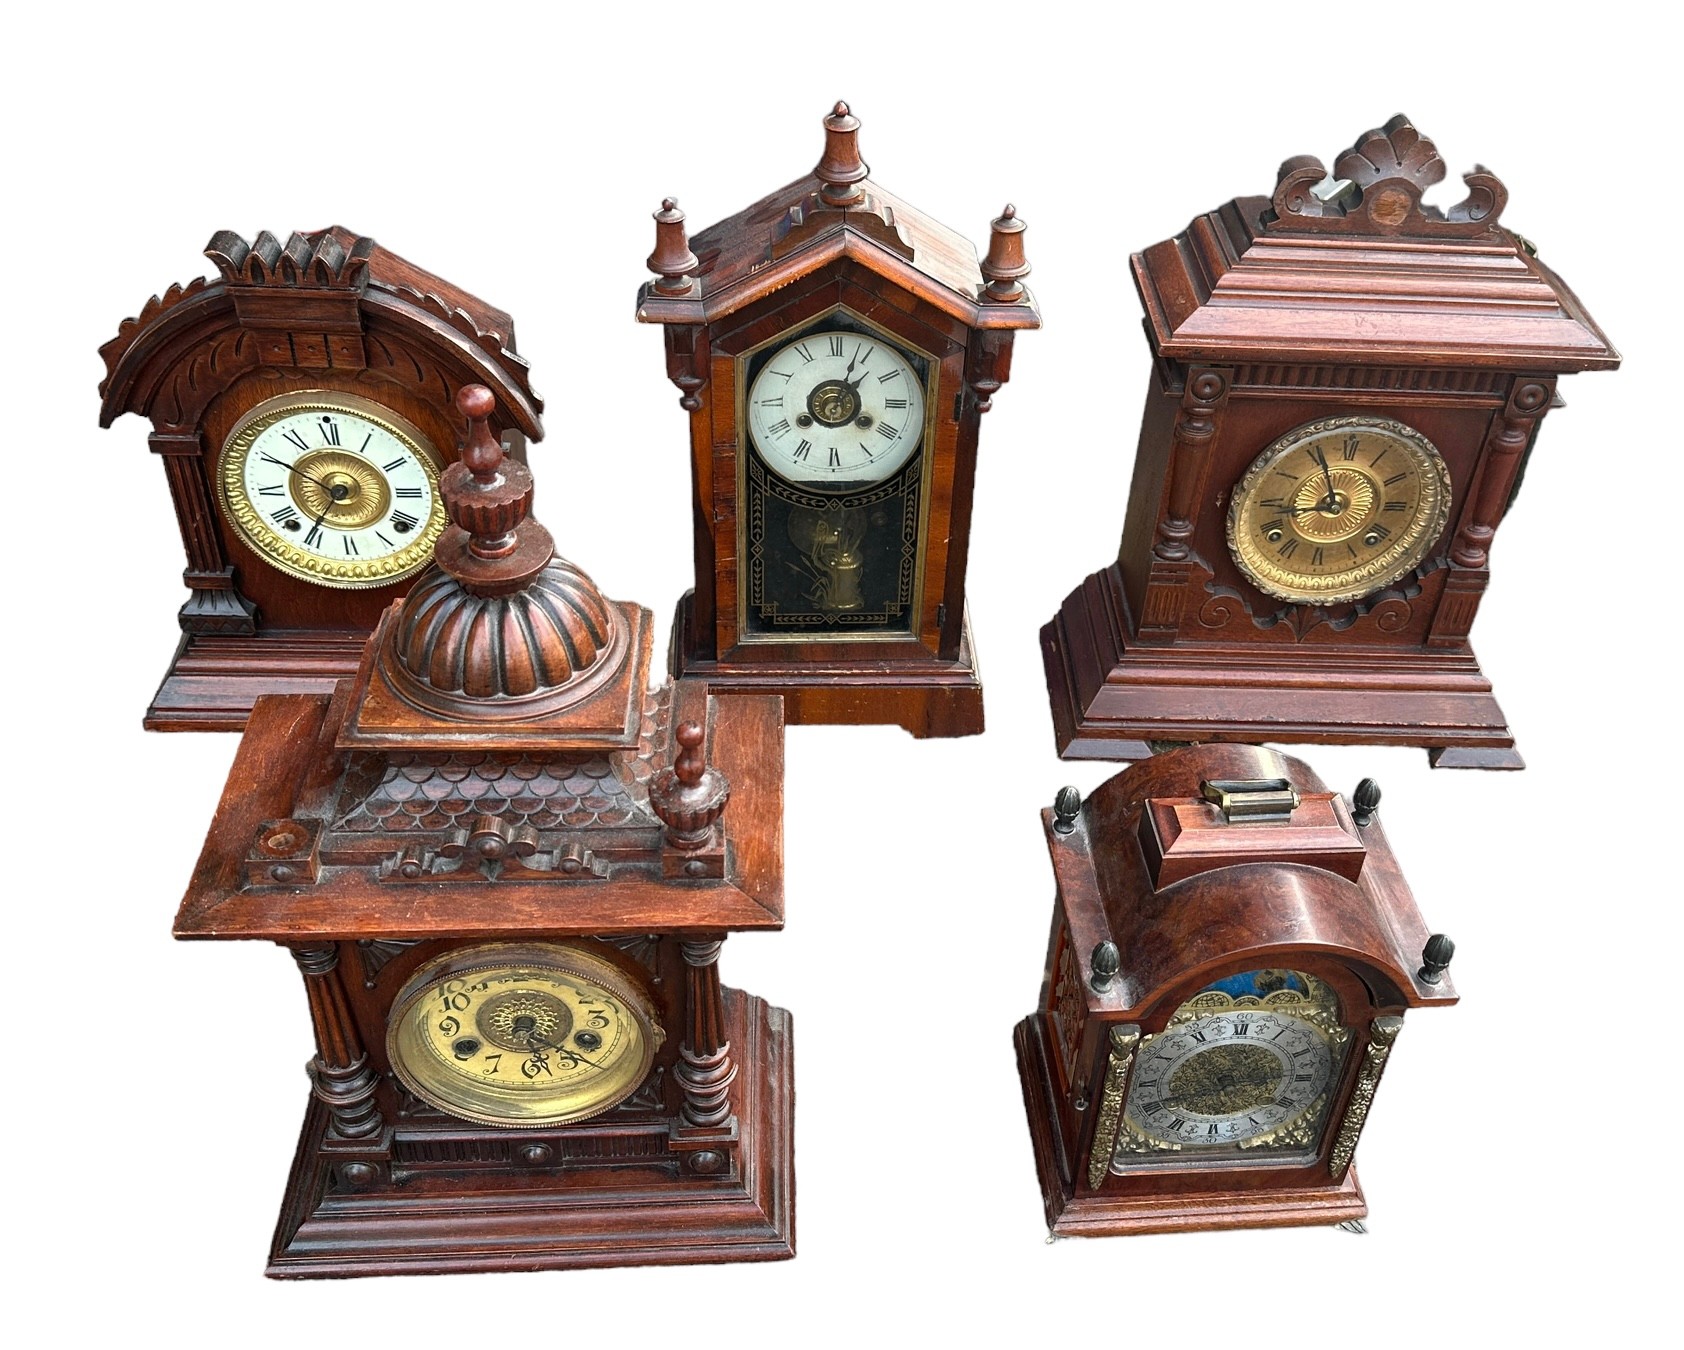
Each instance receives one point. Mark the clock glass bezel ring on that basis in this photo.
(1370, 495)
(352, 496)
(522, 1035)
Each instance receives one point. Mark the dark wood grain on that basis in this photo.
(1265, 315)
(329, 310)
(1314, 893)
(515, 792)
(836, 238)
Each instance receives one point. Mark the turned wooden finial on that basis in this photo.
(841, 170)
(491, 547)
(1005, 266)
(672, 257)
(689, 797)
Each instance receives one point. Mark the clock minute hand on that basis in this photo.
(1327, 473)
(282, 464)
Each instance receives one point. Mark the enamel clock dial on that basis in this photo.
(333, 489)
(836, 409)
(521, 1034)
(1339, 508)
(1247, 1064)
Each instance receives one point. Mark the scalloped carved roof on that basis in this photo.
(1353, 266)
(347, 283)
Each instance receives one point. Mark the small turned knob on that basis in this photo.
(493, 496)
(1106, 961)
(1435, 958)
(841, 169)
(689, 797)
(1066, 806)
(1005, 265)
(1365, 801)
(672, 257)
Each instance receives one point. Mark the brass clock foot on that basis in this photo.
(1356, 1226)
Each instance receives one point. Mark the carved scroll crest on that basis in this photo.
(1376, 188)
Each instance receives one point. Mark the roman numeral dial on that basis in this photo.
(332, 488)
(1249, 1072)
(1337, 509)
(836, 409)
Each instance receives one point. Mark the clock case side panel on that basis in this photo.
(1129, 661)
(924, 681)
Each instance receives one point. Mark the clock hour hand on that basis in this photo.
(537, 1042)
(335, 492)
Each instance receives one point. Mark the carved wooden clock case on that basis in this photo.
(1346, 386)
(301, 405)
(1233, 951)
(836, 350)
(505, 867)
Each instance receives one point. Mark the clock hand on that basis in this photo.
(1327, 473)
(534, 1038)
(282, 464)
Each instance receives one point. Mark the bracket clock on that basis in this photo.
(301, 405)
(505, 867)
(835, 350)
(1346, 386)
(1233, 951)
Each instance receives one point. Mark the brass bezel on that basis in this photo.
(925, 451)
(1397, 561)
(473, 1100)
(255, 532)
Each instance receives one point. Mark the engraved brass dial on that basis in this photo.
(1249, 1064)
(521, 1034)
(333, 489)
(1337, 509)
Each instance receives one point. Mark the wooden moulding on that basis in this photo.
(927, 697)
(608, 1216)
(1112, 698)
(288, 747)
(1178, 841)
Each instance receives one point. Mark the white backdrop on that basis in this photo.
(1519, 1163)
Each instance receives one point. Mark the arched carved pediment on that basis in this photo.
(330, 300)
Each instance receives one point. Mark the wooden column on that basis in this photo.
(1511, 432)
(216, 605)
(340, 1073)
(705, 1069)
(1204, 397)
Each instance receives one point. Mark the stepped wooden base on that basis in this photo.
(1112, 697)
(925, 697)
(653, 1212)
(212, 682)
(1100, 1214)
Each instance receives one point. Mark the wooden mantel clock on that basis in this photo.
(1233, 951)
(1346, 387)
(505, 867)
(836, 350)
(301, 404)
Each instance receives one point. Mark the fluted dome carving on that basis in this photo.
(504, 646)
(503, 628)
